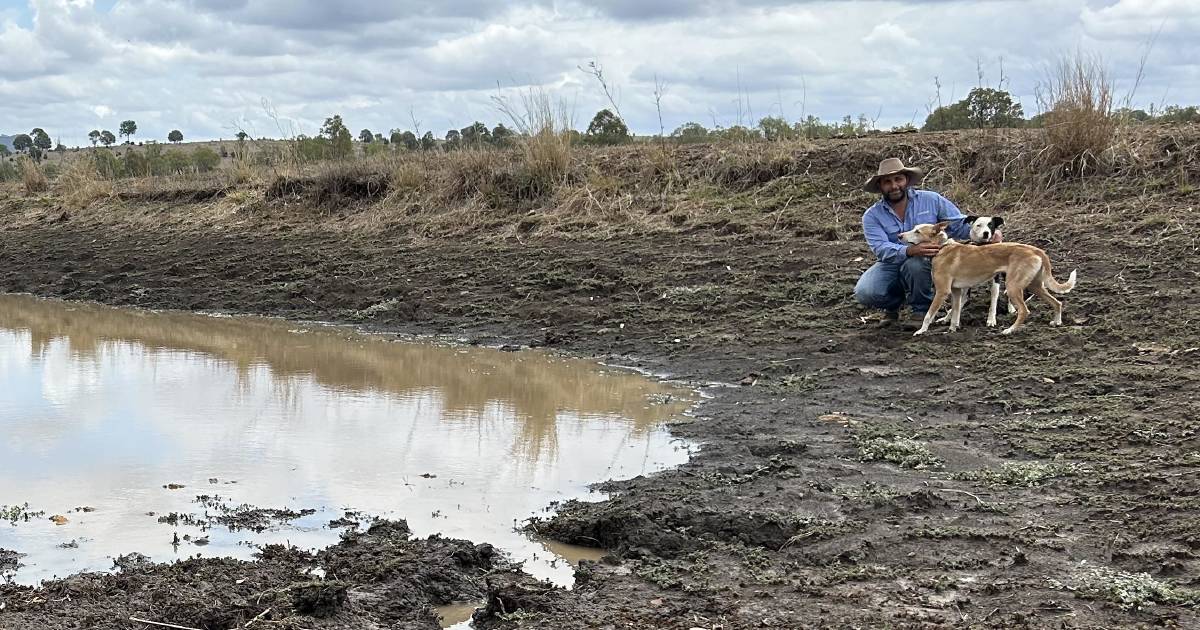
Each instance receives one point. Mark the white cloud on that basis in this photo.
(888, 35)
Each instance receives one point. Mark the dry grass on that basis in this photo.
(1080, 127)
(32, 176)
(80, 183)
(545, 126)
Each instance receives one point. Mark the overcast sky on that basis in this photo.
(206, 67)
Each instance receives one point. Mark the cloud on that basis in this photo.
(888, 35)
(207, 66)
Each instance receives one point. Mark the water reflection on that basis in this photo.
(102, 407)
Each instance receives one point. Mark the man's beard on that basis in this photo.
(895, 195)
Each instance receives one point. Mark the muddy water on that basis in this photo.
(157, 433)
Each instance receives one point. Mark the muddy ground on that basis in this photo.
(851, 475)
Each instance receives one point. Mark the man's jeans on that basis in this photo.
(886, 285)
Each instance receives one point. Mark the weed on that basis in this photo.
(902, 451)
(1131, 591)
(32, 176)
(1024, 474)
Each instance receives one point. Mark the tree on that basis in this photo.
(427, 141)
(475, 135)
(776, 128)
(396, 136)
(94, 136)
(242, 136)
(41, 139)
(22, 142)
(982, 108)
(501, 135)
(127, 129)
(175, 136)
(340, 142)
(690, 132)
(365, 136)
(607, 128)
(453, 140)
(4, 152)
(107, 138)
(380, 139)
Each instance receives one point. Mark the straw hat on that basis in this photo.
(891, 166)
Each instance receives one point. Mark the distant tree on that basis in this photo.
(453, 140)
(502, 136)
(341, 145)
(396, 136)
(607, 128)
(738, 133)
(127, 129)
(4, 152)
(776, 128)
(410, 141)
(175, 136)
(690, 132)
(242, 136)
(107, 138)
(22, 142)
(380, 139)
(475, 135)
(982, 108)
(94, 136)
(41, 139)
(1177, 114)
(428, 142)
(365, 136)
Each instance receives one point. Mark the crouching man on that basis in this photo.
(903, 274)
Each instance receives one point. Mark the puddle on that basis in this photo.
(118, 421)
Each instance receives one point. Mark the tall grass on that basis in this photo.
(32, 176)
(81, 183)
(1080, 125)
(545, 125)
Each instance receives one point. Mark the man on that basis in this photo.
(903, 273)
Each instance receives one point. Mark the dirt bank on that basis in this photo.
(858, 477)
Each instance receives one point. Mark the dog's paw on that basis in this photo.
(920, 332)
(952, 329)
(991, 323)
(1007, 331)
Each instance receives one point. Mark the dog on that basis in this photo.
(959, 266)
(982, 230)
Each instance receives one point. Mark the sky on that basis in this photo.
(278, 68)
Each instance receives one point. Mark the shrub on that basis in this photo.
(205, 159)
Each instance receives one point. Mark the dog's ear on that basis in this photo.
(997, 222)
(970, 219)
(941, 225)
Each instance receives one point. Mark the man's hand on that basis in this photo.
(923, 249)
(997, 237)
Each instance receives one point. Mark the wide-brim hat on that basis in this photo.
(891, 166)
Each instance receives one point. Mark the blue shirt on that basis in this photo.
(882, 227)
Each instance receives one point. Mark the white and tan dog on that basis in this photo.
(958, 266)
(982, 231)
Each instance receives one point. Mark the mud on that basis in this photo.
(857, 477)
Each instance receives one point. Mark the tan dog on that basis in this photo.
(957, 267)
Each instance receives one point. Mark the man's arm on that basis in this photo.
(877, 238)
(947, 211)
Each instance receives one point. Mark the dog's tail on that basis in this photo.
(1048, 277)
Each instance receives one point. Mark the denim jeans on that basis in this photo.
(887, 285)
